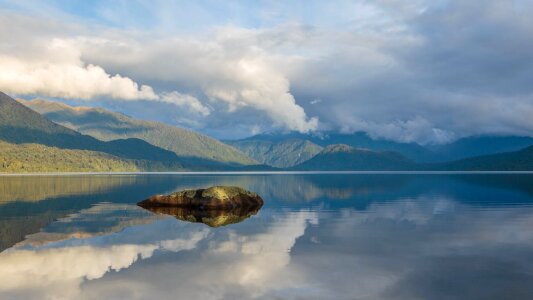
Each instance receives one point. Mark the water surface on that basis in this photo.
(318, 236)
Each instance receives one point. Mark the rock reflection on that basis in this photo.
(211, 217)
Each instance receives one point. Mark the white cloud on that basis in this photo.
(189, 101)
(57, 70)
(68, 81)
(63, 74)
(228, 65)
(415, 130)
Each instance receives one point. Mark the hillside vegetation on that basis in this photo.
(40, 158)
(27, 158)
(194, 148)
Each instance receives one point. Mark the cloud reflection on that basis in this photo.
(57, 269)
(415, 241)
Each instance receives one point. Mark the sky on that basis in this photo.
(425, 71)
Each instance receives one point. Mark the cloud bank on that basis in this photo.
(423, 71)
(226, 66)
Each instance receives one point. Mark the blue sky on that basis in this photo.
(187, 16)
(412, 71)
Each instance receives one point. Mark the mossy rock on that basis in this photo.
(216, 197)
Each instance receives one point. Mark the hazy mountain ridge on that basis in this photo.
(345, 158)
(412, 151)
(280, 154)
(521, 160)
(436, 156)
(195, 149)
(480, 145)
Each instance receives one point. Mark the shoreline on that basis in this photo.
(265, 173)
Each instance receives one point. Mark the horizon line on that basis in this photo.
(264, 173)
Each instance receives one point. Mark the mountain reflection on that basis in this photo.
(101, 219)
(329, 237)
(22, 188)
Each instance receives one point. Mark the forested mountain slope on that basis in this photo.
(19, 124)
(106, 125)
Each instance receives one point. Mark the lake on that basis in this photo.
(318, 236)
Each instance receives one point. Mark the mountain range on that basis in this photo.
(459, 149)
(43, 136)
(347, 158)
(21, 125)
(194, 150)
(361, 140)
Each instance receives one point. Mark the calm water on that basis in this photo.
(317, 237)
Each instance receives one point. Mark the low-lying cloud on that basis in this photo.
(180, 99)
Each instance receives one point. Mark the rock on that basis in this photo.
(211, 217)
(215, 206)
(217, 197)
